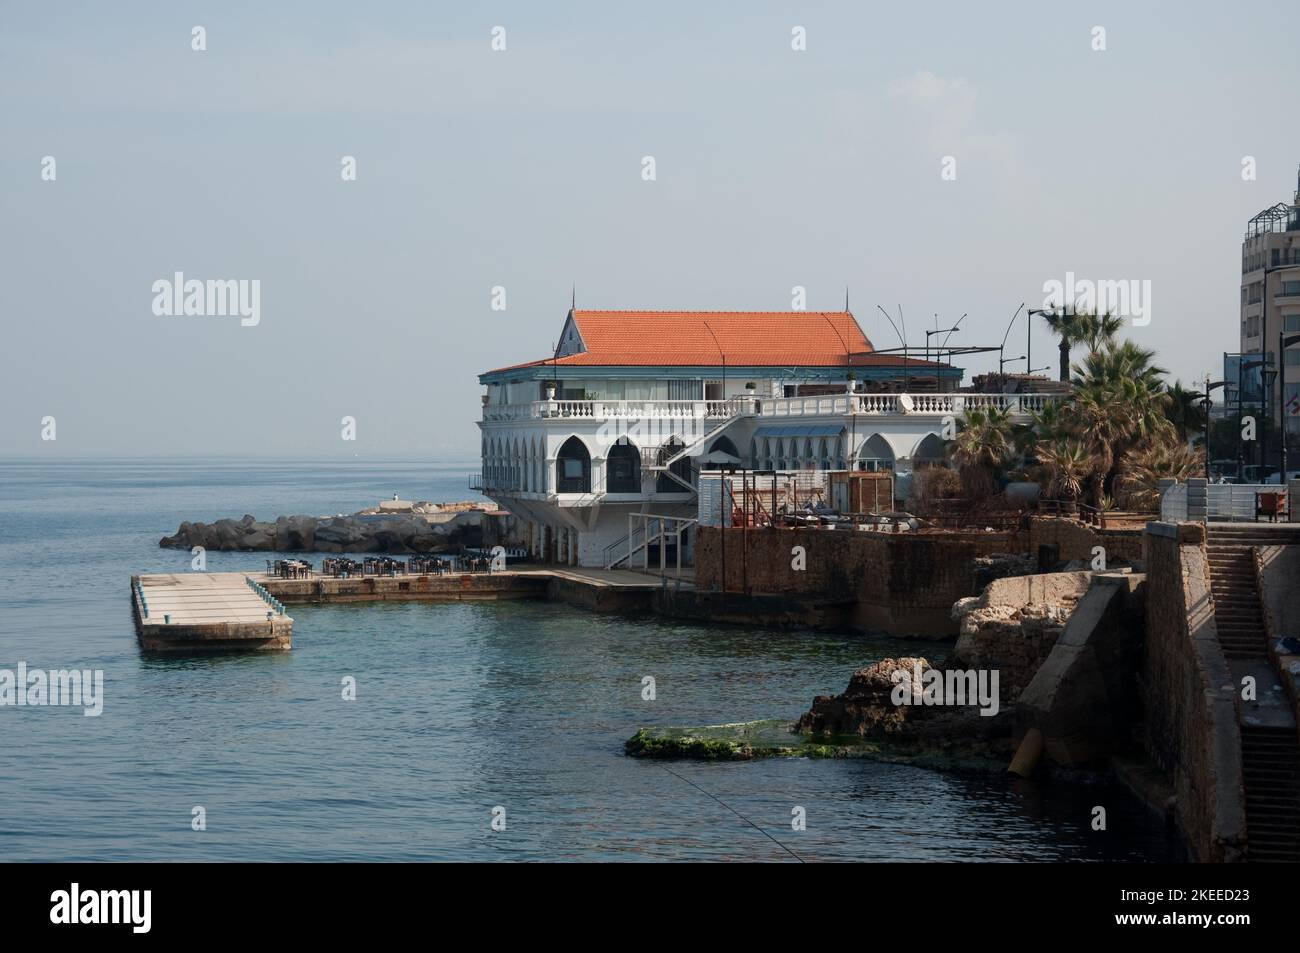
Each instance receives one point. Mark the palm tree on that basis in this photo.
(1098, 330)
(1186, 411)
(1145, 466)
(985, 442)
(1119, 402)
(1081, 327)
(1052, 421)
(1067, 464)
(1070, 329)
(1117, 360)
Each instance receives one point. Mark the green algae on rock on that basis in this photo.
(739, 742)
(749, 741)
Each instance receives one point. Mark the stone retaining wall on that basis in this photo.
(1076, 540)
(903, 583)
(1188, 694)
(1277, 568)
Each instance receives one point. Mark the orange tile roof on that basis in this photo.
(702, 338)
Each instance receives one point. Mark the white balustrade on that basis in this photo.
(618, 409)
(829, 405)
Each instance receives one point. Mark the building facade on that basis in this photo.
(634, 404)
(1270, 306)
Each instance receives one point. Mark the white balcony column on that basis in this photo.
(550, 475)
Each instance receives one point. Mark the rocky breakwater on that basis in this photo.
(911, 704)
(394, 526)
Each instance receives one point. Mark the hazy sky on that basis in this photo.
(522, 168)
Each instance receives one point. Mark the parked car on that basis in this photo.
(1290, 475)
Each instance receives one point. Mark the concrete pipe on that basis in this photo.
(1028, 754)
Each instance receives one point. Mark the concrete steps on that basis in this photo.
(1270, 754)
(1237, 613)
(1270, 761)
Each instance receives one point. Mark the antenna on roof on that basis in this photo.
(892, 324)
(846, 300)
(954, 328)
(573, 302)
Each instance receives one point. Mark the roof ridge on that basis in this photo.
(790, 311)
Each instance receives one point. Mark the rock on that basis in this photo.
(1014, 624)
(962, 606)
(440, 528)
(865, 708)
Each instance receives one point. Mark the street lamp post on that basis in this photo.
(1002, 362)
(928, 334)
(1029, 327)
(1205, 400)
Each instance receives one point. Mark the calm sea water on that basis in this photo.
(460, 709)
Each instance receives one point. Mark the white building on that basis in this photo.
(1270, 305)
(633, 403)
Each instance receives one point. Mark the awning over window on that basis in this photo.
(776, 430)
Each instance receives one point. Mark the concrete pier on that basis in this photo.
(205, 612)
(220, 611)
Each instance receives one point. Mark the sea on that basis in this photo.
(478, 731)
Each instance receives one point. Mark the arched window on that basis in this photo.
(573, 467)
(623, 467)
(682, 468)
(930, 452)
(876, 454)
(724, 445)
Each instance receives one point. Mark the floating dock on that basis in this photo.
(221, 611)
(207, 612)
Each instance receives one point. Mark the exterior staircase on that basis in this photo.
(1270, 765)
(1270, 745)
(1237, 613)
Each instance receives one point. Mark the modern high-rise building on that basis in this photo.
(1270, 307)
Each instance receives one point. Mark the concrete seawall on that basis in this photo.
(903, 584)
(460, 587)
(1188, 695)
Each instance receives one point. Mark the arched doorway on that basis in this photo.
(623, 467)
(573, 467)
(682, 468)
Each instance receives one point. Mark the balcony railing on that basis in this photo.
(612, 409)
(827, 405)
(903, 404)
